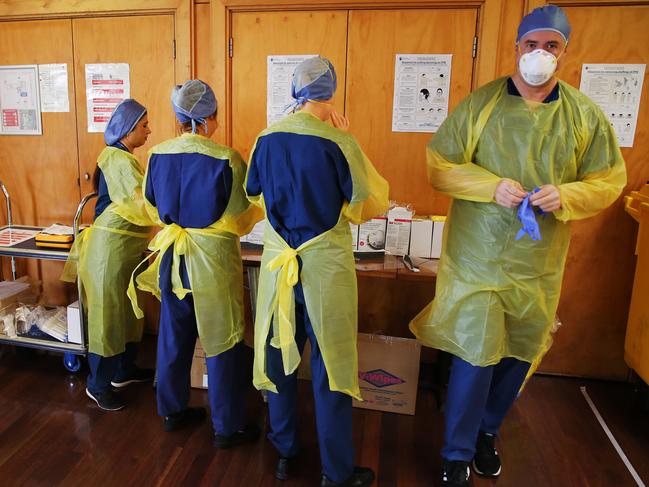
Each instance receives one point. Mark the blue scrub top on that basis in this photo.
(103, 197)
(305, 181)
(189, 189)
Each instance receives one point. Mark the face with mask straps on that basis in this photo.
(541, 44)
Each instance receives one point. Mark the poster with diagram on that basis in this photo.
(617, 89)
(20, 112)
(280, 71)
(421, 92)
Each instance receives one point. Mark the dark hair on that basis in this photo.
(187, 126)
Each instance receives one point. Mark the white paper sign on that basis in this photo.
(53, 80)
(421, 92)
(20, 112)
(106, 86)
(279, 74)
(616, 88)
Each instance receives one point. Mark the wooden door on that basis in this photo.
(600, 268)
(375, 37)
(146, 44)
(257, 35)
(41, 171)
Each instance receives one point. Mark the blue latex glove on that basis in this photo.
(527, 218)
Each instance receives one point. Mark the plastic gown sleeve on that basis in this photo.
(450, 152)
(601, 175)
(241, 216)
(124, 179)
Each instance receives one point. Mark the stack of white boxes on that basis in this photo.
(426, 237)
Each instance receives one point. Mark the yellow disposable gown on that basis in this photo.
(497, 297)
(212, 254)
(106, 254)
(328, 274)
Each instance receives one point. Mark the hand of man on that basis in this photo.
(509, 193)
(339, 121)
(548, 198)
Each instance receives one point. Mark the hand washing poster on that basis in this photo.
(106, 86)
(616, 88)
(421, 92)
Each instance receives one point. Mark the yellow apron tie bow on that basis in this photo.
(284, 307)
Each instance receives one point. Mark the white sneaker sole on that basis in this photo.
(119, 385)
(89, 394)
(493, 475)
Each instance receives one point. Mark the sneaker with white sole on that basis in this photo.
(107, 400)
(486, 461)
(455, 473)
(136, 376)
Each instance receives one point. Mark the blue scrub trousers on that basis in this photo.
(478, 400)
(333, 410)
(226, 378)
(103, 370)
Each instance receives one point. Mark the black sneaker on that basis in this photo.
(183, 419)
(138, 375)
(248, 434)
(455, 473)
(284, 466)
(362, 477)
(107, 400)
(486, 461)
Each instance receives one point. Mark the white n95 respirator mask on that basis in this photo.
(537, 67)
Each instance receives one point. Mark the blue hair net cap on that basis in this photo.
(549, 17)
(193, 101)
(313, 79)
(123, 120)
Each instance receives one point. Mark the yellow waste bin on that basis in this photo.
(636, 344)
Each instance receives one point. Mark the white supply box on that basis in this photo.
(371, 235)
(74, 323)
(397, 238)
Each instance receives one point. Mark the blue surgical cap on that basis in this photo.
(123, 120)
(549, 17)
(193, 101)
(313, 79)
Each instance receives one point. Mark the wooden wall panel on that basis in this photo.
(259, 34)
(513, 11)
(375, 37)
(146, 44)
(600, 268)
(41, 171)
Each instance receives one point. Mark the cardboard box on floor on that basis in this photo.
(199, 368)
(388, 372)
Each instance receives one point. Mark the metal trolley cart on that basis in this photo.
(28, 250)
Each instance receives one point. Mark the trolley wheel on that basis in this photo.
(71, 362)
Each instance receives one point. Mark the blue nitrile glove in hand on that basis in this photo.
(527, 218)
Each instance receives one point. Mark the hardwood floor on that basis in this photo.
(51, 434)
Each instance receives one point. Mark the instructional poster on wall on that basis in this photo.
(106, 86)
(421, 92)
(616, 88)
(20, 112)
(279, 74)
(53, 79)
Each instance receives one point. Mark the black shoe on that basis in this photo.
(138, 375)
(362, 477)
(107, 400)
(248, 434)
(284, 466)
(486, 461)
(183, 419)
(455, 473)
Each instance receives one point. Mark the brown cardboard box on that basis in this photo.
(199, 368)
(388, 373)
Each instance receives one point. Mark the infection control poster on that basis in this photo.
(53, 80)
(279, 74)
(106, 86)
(421, 92)
(20, 112)
(616, 88)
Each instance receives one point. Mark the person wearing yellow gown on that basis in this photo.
(525, 150)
